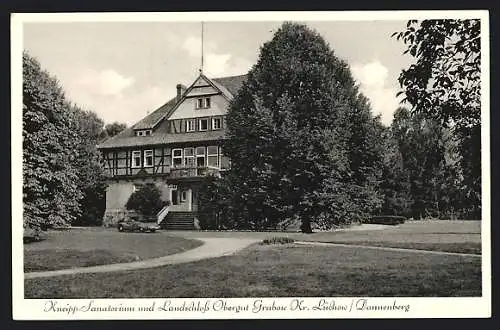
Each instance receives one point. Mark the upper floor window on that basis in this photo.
(190, 125)
(216, 123)
(177, 157)
(136, 158)
(148, 158)
(189, 157)
(213, 156)
(203, 124)
(203, 103)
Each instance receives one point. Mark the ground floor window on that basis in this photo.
(184, 196)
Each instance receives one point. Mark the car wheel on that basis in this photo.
(120, 228)
(141, 230)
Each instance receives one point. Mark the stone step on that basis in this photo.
(179, 221)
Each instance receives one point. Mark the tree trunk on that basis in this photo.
(305, 227)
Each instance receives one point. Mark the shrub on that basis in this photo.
(147, 201)
(278, 240)
(387, 220)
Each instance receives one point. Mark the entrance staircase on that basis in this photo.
(179, 221)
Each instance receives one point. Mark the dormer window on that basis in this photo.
(203, 103)
(146, 132)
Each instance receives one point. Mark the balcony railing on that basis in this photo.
(185, 172)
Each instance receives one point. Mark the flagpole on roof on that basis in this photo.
(201, 68)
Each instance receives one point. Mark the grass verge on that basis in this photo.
(61, 251)
(281, 271)
(465, 247)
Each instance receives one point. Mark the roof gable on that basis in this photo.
(228, 86)
(201, 82)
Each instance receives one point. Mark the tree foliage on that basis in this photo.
(91, 178)
(50, 179)
(113, 129)
(63, 180)
(445, 85)
(147, 200)
(428, 164)
(302, 140)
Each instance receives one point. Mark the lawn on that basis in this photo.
(281, 270)
(99, 246)
(448, 236)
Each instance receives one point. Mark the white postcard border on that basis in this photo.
(74, 309)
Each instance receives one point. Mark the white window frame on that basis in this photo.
(207, 103)
(177, 157)
(148, 153)
(200, 103)
(183, 196)
(199, 125)
(214, 120)
(204, 155)
(193, 125)
(139, 133)
(148, 132)
(134, 157)
(216, 154)
(191, 157)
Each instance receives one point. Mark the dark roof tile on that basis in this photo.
(156, 139)
(233, 84)
(151, 119)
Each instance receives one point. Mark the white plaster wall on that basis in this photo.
(187, 109)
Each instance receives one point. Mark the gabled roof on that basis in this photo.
(127, 138)
(150, 120)
(232, 84)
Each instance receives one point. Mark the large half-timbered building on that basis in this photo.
(173, 147)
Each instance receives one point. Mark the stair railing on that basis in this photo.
(162, 214)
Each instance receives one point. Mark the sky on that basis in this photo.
(125, 70)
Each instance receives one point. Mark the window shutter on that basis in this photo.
(183, 125)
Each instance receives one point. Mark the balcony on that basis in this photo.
(191, 172)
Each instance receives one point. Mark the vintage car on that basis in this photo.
(134, 225)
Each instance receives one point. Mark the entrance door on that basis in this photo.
(175, 199)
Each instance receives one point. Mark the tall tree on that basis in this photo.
(445, 84)
(395, 186)
(114, 128)
(425, 149)
(289, 135)
(50, 181)
(91, 178)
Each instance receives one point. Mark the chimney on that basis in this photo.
(180, 90)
